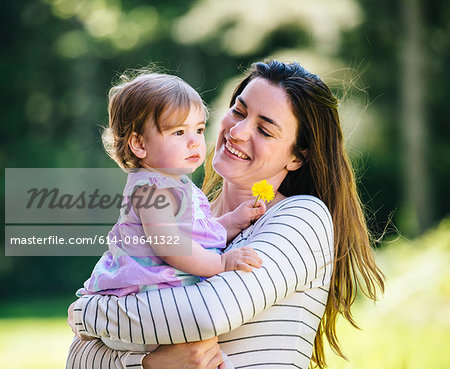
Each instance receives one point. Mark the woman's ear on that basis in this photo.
(137, 146)
(296, 163)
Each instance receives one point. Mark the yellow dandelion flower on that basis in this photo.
(263, 190)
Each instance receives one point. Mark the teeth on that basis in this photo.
(235, 152)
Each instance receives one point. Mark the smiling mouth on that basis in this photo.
(235, 152)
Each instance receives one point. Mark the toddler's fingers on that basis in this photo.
(243, 266)
(246, 262)
(247, 248)
(254, 262)
(259, 211)
(248, 251)
(261, 205)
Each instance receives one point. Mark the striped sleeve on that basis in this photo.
(295, 241)
(95, 354)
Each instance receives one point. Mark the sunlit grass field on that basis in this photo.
(32, 343)
(408, 329)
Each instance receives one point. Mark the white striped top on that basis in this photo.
(266, 318)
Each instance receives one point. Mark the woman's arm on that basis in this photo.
(95, 354)
(295, 242)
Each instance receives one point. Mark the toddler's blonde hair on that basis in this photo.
(153, 98)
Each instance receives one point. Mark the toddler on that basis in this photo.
(165, 235)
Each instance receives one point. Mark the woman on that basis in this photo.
(282, 126)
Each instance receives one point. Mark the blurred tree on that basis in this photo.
(413, 119)
(406, 53)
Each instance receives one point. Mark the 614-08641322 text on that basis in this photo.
(102, 240)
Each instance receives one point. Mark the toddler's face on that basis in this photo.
(181, 148)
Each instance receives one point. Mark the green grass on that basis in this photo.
(408, 329)
(390, 344)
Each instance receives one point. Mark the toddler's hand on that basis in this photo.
(243, 258)
(245, 214)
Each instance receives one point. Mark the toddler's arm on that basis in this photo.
(188, 255)
(242, 217)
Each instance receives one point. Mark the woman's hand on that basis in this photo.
(195, 355)
(71, 324)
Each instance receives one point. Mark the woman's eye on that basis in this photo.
(235, 112)
(264, 133)
(179, 133)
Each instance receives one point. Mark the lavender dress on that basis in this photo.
(130, 265)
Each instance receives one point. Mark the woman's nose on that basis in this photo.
(240, 131)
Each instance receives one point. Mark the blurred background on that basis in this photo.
(386, 60)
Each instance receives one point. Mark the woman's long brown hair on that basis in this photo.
(327, 174)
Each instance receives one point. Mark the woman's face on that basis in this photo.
(256, 136)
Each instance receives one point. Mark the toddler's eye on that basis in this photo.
(200, 131)
(179, 133)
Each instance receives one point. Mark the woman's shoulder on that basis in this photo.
(298, 225)
(296, 216)
(301, 204)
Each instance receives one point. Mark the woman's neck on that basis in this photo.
(230, 198)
